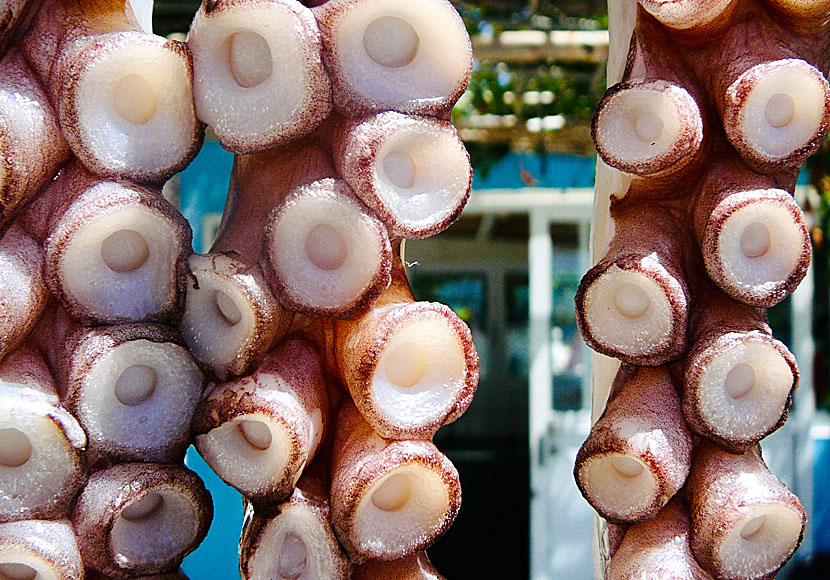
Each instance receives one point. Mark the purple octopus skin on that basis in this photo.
(658, 547)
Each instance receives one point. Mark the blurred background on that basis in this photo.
(509, 267)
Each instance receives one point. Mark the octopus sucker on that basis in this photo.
(296, 543)
(745, 522)
(638, 454)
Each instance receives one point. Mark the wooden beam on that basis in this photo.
(532, 46)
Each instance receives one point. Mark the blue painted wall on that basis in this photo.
(821, 497)
(217, 557)
(523, 170)
(204, 187)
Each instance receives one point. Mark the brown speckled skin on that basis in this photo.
(353, 104)
(87, 347)
(662, 442)
(34, 401)
(721, 486)
(259, 183)
(72, 63)
(57, 23)
(271, 322)
(729, 186)
(72, 206)
(616, 533)
(712, 55)
(637, 225)
(355, 149)
(807, 14)
(415, 567)
(360, 343)
(732, 202)
(51, 542)
(315, 108)
(688, 141)
(721, 324)
(651, 65)
(658, 548)
(296, 367)
(26, 367)
(727, 174)
(14, 15)
(67, 35)
(20, 306)
(250, 216)
(31, 144)
(44, 33)
(310, 496)
(359, 458)
(110, 491)
(755, 36)
(282, 285)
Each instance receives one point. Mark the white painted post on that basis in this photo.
(584, 265)
(803, 347)
(540, 399)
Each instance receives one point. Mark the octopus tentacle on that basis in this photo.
(42, 466)
(414, 172)
(120, 377)
(409, 366)
(23, 291)
(295, 543)
(634, 303)
(141, 125)
(389, 499)
(741, 244)
(31, 144)
(231, 319)
(660, 545)
(259, 74)
(115, 251)
(738, 381)
(745, 522)
(306, 261)
(388, 54)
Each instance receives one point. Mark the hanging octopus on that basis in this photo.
(293, 354)
(717, 107)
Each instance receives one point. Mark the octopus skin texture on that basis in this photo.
(293, 354)
(715, 108)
